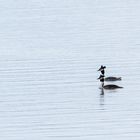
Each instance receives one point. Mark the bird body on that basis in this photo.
(111, 78)
(110, 86)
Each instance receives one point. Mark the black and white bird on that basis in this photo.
(110, 78)
(110, 86)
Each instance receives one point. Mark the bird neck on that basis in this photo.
(103, 71)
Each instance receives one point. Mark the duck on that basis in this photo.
(110, 86)
(111, 78)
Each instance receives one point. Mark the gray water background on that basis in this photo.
(50, 51)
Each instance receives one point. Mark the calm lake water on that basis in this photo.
(49, 55)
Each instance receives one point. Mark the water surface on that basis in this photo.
(49, 55)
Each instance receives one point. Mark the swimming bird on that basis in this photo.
(111, 86)
(111, 78)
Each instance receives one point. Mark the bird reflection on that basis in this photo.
(102, 92)
(102, 97)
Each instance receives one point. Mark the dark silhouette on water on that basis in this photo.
(111, 78)
(110, 86)
(102, 69)
(102, 91)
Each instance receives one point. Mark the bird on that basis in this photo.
(102, 69)
(110, 86)
(111, 78)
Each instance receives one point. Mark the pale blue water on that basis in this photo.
(49, 55)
